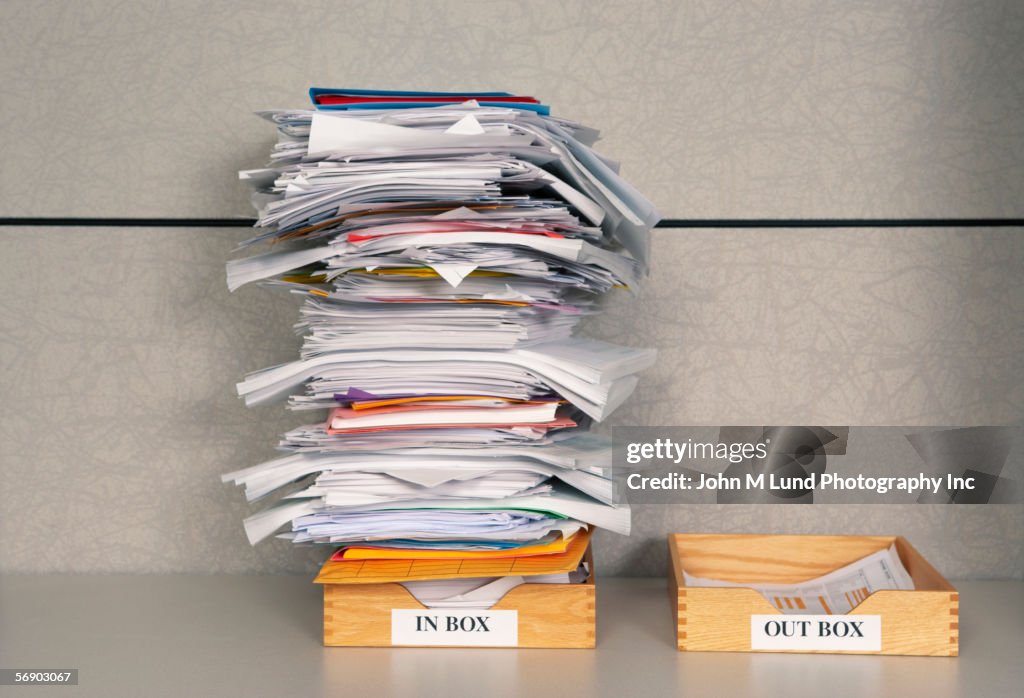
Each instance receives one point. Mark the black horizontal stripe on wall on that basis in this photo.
(664, 223)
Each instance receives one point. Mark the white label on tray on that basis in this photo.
(443, 627)
(851, 633)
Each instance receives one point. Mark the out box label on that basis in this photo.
(851, 633)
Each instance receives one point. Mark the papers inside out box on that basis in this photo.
(530, 615)
(922, 621)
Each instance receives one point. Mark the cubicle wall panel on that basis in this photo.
(868, 109)
(121, 347)
(909, 327)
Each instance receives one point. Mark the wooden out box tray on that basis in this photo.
(722, 619)
(530, 615)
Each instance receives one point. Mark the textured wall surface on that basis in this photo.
(850, 108)
(120, 348)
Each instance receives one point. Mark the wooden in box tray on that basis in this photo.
(543, 615)
(919, 622)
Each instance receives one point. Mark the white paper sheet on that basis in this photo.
(839, 591)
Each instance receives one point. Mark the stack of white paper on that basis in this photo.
(445, 254)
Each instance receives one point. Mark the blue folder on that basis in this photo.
(489, 99)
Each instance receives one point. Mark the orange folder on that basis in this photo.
(381, 571)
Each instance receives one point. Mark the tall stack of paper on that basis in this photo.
(446, 245)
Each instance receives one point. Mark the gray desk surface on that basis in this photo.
(260, 636)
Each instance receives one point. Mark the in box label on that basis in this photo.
(442, 627)
(854, 633)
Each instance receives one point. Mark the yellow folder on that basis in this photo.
(559, 545)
